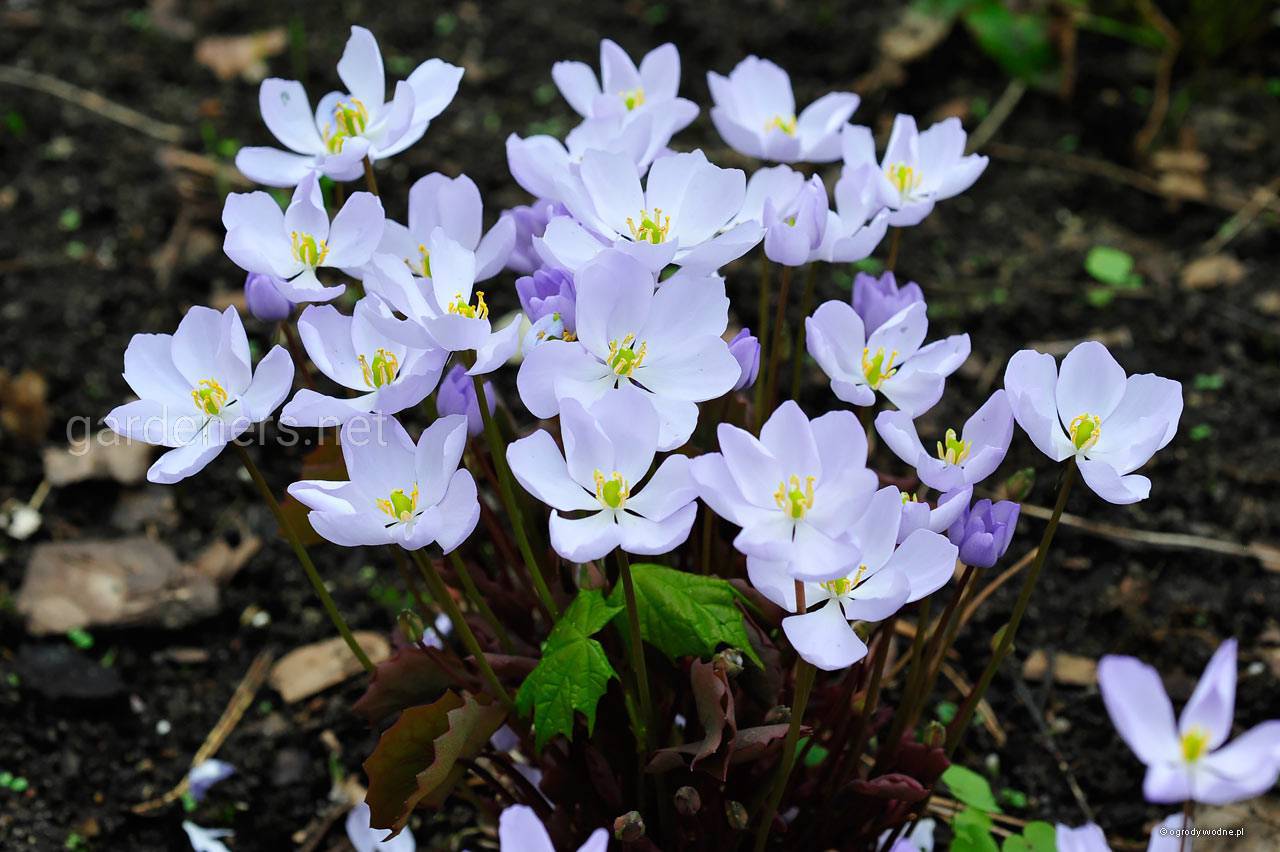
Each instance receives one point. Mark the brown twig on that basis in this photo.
(999, 114)
(1164, 74)
(91, 101)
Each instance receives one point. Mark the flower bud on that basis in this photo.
(735, 813)
(983, 533)
(264, 300)
(531, 221)
(792, 235)
(878, 299)
(629, 827)
(457, 395)
(746, 349)
(549, 290)
(688, 801)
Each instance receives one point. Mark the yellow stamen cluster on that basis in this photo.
(209, 396)
(401, 507)
(349, 119)
(1195, 743)
(793, 498)
(307, 249)
(424, 262)
(652, 229)
(785, 123)
(904, 178)
(876, 368)
(612, 491)
(633, 97)
(624, 358)
(844, 585)
(952, 450)
(1085, 430)
(382, 371)
(461, 307)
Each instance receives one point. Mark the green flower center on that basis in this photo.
(612, 490)
(877, 368)
(633, 97)
(424, 262)
(1085, 430)
(1195, 743)
(795, 498)
(652, 228)
(307, 250)
(382, 371)
(624, 358)
(461, 307)
(209, 397)
(401, 507)
(952, 450)
(349, 119)
(785, 123)
(904, 178)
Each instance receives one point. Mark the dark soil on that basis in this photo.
(1003, 262)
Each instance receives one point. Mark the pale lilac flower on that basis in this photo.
(386, 375)
(795, 490)
(197, 391)
(794, 233)
(876, 584)
(550, 327)
(746, 350)
(876, 299)
(1190, 759)
(984, 533)
(859, 221)
(917, 514)
(755, 113)
(679, 216)
(609, 450)
(960, 460)
(530, 220)
(206, 839)
(776, 185)
(622, 87)
(667, 342)
(890, 360)
(1086, 838)
(457, 395)
(399, 492)
(346, 126)
(918, 839)
(444, 311)
(205, 774)
(1111, 424)
(293, 244)
(263, 298)
(520, 830)
(918, 169)
(365, 838)
(437, 201)
(543, 165)
(549, 290)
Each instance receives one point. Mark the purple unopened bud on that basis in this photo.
(457, 395)
(878, 299)
(531, 220)
(204, 775)
(264, 300)
(746, 349)
(984, 532)
(791, 236)
(549, 290)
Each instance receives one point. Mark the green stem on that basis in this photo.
(798, 351)
(958, 727)
(762, 335)
(862, 734)
(775, 348)
(468, 584)
(636, 650)
(300, 550)
(894, 242)
(949, 625)
(441, 592)
(805, 674)
(370, 182)
(497, 452)
(910, 696)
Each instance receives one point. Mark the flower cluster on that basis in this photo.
(629, 348)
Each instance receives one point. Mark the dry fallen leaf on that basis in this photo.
(1069, 669)
(102, 456)
(243, 56)
(914, 35)
(314, 668)
(1216, 270)
(24, 407)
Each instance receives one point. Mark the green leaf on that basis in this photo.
(970, 788)
(1013, 798)
(1015, 843)
(417, 758)
(1041, 836)
(686, 615)
(574, 671)
(1018, 41)
(1109, 265)
(972, 832)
